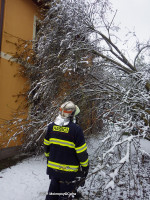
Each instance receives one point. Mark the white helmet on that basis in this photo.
(69, 109)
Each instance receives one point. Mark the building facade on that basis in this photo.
(17, 24)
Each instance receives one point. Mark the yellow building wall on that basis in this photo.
(18, 26)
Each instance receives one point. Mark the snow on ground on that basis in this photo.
(145, 145)
(25, 181)
(28, 180)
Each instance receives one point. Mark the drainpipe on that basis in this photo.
(1, 21)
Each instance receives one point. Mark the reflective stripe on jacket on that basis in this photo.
(65, 148)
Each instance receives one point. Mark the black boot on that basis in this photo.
(47, 197)
(51, 197)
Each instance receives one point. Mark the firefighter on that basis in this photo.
(66, 153)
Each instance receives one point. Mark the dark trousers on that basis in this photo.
(59, 190)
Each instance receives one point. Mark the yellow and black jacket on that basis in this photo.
(66, 150)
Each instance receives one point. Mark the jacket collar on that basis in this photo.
(60, 121)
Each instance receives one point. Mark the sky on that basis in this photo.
(134, 15)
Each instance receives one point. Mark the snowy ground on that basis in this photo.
(25, 181)
(28, 180)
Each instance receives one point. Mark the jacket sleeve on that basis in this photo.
(47, 142)
(81, 148)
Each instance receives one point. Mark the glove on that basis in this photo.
(82, 182)
(85, 171)
(80, 179)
